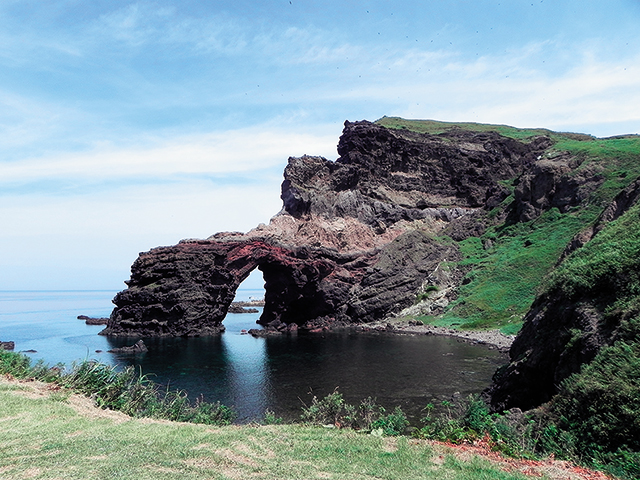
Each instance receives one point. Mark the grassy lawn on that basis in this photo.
(50, 434)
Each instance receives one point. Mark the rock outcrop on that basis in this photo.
(136, 348)
(93, 320)
(554, 181)
(356, 238)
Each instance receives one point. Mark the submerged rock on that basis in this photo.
(138, 347)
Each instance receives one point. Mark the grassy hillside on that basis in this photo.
(508, 263)
(597, 410)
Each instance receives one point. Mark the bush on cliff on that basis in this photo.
(600, 406)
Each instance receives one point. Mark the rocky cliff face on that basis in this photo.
(354, 242)
(357, 238)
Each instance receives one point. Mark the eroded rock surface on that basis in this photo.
(356, 239)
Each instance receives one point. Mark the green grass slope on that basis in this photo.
(597, 410)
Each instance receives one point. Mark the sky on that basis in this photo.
(126, 125)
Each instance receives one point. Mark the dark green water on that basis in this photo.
(282, 373)
(255, 374)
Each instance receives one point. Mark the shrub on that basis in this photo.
(392, 424)
(470, 420)
(271, 419)
(446, 426)
(329, 410)
(334, 410)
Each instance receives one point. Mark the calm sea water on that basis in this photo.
(254, 374)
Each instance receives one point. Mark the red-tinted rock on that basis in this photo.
(354, 242)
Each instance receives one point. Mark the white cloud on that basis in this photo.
(233, 152)
(507, 89)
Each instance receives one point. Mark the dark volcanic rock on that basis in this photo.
(235, 308)
(355, 240)
(138, 347)
(93, 320)
(547, 350)
(620, 204)
(384, 176)
(554, 182)
(7, 345)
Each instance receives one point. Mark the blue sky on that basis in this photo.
(127, 125)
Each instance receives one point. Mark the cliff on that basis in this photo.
(408, 209)
(588, 303)
(357, 238)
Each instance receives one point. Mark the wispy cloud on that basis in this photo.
(145, 24)
(237, 152)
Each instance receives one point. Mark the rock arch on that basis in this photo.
(356, 240)
(186, 289)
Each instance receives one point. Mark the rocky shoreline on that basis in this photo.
(494, 338)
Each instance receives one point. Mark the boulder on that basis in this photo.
(138, 347)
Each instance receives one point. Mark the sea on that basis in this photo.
(278, 373)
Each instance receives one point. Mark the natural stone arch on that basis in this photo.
(186, 290)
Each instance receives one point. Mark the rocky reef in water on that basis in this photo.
(357, 238)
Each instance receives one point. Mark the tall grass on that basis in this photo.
(125, 390)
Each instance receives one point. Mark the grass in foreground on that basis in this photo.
(46, 435)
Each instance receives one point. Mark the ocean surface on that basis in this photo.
(280, 373)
